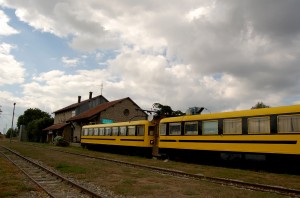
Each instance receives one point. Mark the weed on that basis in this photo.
(64, 167)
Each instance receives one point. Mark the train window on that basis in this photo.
(123, 130)
(85, 131)
(259, 125)
(91, 131)
(101, 131)
(191, 128)
(175, 128)
(287, 124)
(131, 130)
(96, 131)
(140, 130)
(107, 131)
(115, 131)
(151, 130)
(163, 129)
(232, 126)
(210, 127)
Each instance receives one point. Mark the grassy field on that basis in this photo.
(129, 181)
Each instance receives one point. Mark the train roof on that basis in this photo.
(138, 122)
(236, 114)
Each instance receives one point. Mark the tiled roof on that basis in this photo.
(73, 106)
(56, 126)
(96, 110)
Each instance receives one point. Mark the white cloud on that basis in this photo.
(5, 29)
(221, 55)
(11, 71)
(69, 62)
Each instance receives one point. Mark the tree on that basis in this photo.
(13, 131)
(35, 121)
(31, 115)
(260, 105)
(165, 110)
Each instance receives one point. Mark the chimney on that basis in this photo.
(79, 99)
(91, 93)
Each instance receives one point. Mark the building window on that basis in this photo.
(232, 126)
(73, 113)
(259, 125)
(175, 128)
(210, 127)
(191, 128)
(126, 112)
(288, 124)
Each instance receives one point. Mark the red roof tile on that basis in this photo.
(56, 126)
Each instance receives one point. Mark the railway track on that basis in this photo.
(54, 184)
(222, 181)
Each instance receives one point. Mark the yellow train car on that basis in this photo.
(129, 134)
(262, 131)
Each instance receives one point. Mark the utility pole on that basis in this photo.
(0, 114)
(101, 88)
(12, 123)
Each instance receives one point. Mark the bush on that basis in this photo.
(60, 141)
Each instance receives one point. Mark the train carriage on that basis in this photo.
(267, 130)
(123, 134)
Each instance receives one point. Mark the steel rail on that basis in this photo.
(71, 183)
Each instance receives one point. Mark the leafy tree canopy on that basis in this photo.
(31, 115)
(165, 110)
(260, 105)
(35, 121)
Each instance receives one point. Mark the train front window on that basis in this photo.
(115, 131)
(163, 129)
(131, 130)
(123, 130)
(210, 127)
(191, 128)
(259, 125)
(288, 124)
(140, 130)
(175, 129)
(232, 126)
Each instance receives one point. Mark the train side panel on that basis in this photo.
(133, 140)
(268, 130)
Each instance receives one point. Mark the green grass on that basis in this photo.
(64, 167)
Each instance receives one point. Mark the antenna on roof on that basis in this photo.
(101, 87)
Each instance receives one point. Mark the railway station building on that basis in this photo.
(69, 120)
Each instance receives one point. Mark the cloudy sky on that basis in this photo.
(223, 55)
